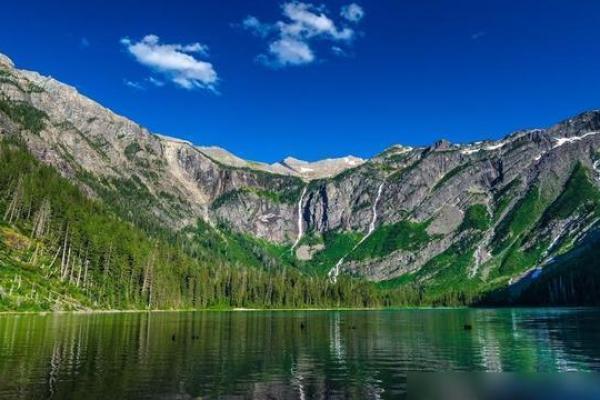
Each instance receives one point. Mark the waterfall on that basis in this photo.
(300, 225)
(374, 219)
(596, 167)
(335, 271)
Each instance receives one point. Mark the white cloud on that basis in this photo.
(307, 22)
(174, 61)
(290, 39)
(291, 52)
(352, 12)
(133, 84)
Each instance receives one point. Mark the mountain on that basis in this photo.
(288, 166)
(456, 221)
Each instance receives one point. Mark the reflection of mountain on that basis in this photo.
(256, 355)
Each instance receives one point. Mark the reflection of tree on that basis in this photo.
(261, 354)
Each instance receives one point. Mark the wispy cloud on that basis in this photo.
(84, 43)
(290, 39)
(133, 84)
(177, 63)
(338, 51)
(478, 35)
(352, 12)
(156, 82)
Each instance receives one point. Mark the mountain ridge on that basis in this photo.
(447, 216)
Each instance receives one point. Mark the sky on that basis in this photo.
(270, 79)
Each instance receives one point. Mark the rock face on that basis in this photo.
(487, 199)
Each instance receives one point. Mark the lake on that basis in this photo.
(281, 354)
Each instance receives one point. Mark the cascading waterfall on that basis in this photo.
(300, 225)
(335, 271)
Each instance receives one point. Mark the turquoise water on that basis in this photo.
(300, 354)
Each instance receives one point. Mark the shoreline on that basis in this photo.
(237, 309)
(241, 309)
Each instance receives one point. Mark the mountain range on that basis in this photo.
(490, 222)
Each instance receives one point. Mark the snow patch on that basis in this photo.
(572, 139)
(470, 151)
(175, 140)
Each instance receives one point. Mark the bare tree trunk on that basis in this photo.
(63, 260)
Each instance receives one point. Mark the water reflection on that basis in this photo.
(296, 355)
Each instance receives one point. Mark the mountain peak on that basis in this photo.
(4, 60)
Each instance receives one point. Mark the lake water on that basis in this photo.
(301, 354)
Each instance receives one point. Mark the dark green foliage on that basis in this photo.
(476, 217)
(24, 114)
(311, 239)
(132, 149)
(574, 280)
(397, 282)
(404, 235)
(579, 194)
(518, 259)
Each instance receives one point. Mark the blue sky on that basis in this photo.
(267, 79)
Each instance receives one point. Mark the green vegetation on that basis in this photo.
(579, 194)
(504, 196)
(522, 217)
(132, 149)
(24, 114)
(446, 277)
(282, 197)
(404, 235)
(518, 259)
(444, 280)
(337, 245)
(476, 217)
